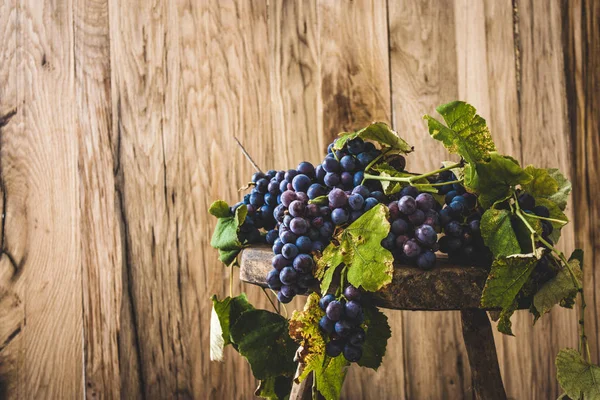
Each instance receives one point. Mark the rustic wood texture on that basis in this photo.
(116, 133)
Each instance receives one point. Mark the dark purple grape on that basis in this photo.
(357, 338)
(256, 176)
(289, 251)
(378, 195)
(279, 176)
(425, 201)
(541, 211)
(303, 263)
(449, 196)
(397, 162)
(445, 217)
(273, 280)
(334, 310)
(325, 300)
(317, 222)
(304, 281)
(299, 226)
(358, 178)
(453, 228)
(313, 234)
(287, 197)
(454, 244)
(273, 187)
(286, 236)
(547, 228)
(417, 217)
(400, 240)
(352, 353)
(407, 205)
(302, 196)
(426, 235)
(320, 173)
(327, 229)
(365, 158)
(331, 165)
(279, 262)
(369, 147)
(287, 219)
(346, 179)
(471, 200)
(304, 244)
(283, 299)
(288, 276)
(400, 227)
(370, 202)
(337, 198)
(343, 328)
(331, 179)
(426, 260)
(283, 186)
(352, 309)
(316, 190)
(411, 248)
(356, 146)
(257, 199)
(290, 174)
(317, 246)
(271, 236)
(389, 241)
(297, 208)
(270, 200)
(306, 168)
(334, 348)
(277, 246)
(356, 201)
(301, 183)
(409, 191)
(526, 201)
(352, 293)
(262, 185)
(339, 216)
(474, 226)
(288, 291)
(312, 210)
(348, 163)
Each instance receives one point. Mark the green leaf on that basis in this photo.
(263, 339)
(219, 209)
(504, 322)
(225, 237)
(564, 187)
(333, 256)
(466, 134)
(379, 132)
(274, 388)
(330, 377)
(506, 278)
(576, 376)
(321, 200)
(500, 175)
(557, 289)
(228, 311)
(498, 233)
(378, 332)
(541, 184)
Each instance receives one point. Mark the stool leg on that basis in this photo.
(479, 341)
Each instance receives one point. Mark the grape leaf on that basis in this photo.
(330, 377)
(378, 332)
(379, 132)
(217, 342)
(466, 134)
(333, 256)
(555, 213)
(541, 184)
(498, 233)
(557, 289)
(564, 187)
(504, 322)
(225, 236)
(228, 311)
(501, 174)
(576, 376)
(304, 329)
(506, 278)
(263, 339)
(274, 388)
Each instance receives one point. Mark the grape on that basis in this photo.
(426, 235)
(454, 229)
(354, 215)
(450, 195)
(290, 174)
(346, 179)
(277, 246)
(315, 190)
(547, 228)
(289, 251)
(356, 146)
(331, 179)
(370, 202)
(334, 348)
(348, 163)
(262, 185)
(283, 186)
(356, 201)
(426, 260)
(325, 300)
(425, 201)
(288, 291)
(306, 168)
(305, 281)
(407, 205)
(358, 178)
(339, 216)
(270, 200)
(257, 199)
(526, 201)
(400, 240)
(317, 246)
(303, 263)
(397, 162)
(541, 211)
(352, 353)
(304, 244)
(302, 197)
(357, 338)
(474, 226)
(301, 183)
(412, 248)
(286, 222)
(327, 229)
(279, 261)
(283, 299)
(456, 207)
(409, 191)
(271, 236)
(337, 198)
(432, 218)
(273, 280)
(287, 197)
(471, 200)
(378, 195)
(417, 217)
(320, 173)
(297, 208)
(343, 328)
(365, 158)
(299, 226)
(352, 293)
(445, 217)
(331, 165)
(389, 241)
(288, 276)
(312, 210)
(352, 309)
(287, 236)
(334, 310)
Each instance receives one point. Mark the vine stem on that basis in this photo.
(231, 281)
(411, 179)
(270, 301)
(558, 221)
(256, 167)
(379, 157)
(583, 343)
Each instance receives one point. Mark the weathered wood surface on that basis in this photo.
(116, 132)
(445, 287)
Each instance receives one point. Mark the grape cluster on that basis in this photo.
(414, 227)
(342, 324)
(460, 219)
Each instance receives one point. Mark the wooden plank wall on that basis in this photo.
(117, 125)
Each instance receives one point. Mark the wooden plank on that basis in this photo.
(100, 230)
(40, 265)
(424, 75)
(355, 90)
(581, 40)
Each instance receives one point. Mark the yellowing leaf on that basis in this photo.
(379, 132)
(576, 376)
(558, 288)
(541, 184)
(498, 233)
(564, 188)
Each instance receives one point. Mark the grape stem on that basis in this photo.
(368, 167)
(440, 183)
(558, 221)
(270, 301)
(231, 281)
(412, 180)
(583, 342)
(256, 167)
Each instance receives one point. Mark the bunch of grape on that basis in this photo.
(414, 227)
(460, 219)
(342, 324)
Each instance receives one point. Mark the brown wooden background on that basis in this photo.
(116, 133)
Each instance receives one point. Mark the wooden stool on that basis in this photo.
(446, 287)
